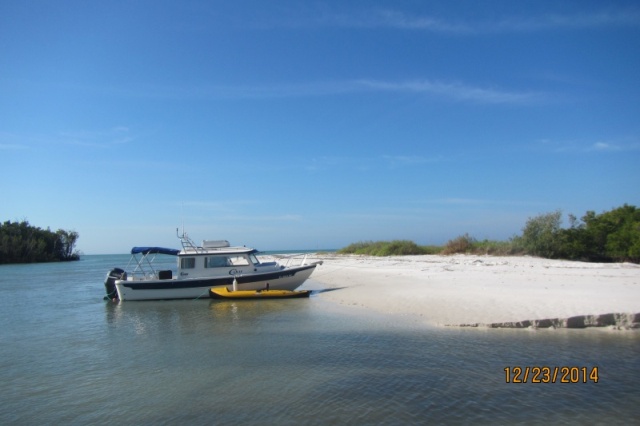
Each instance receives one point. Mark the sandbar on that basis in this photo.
(483, 291)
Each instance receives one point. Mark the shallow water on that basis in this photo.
(67, 356)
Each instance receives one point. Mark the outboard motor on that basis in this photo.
(110, 283)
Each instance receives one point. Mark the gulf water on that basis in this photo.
(69, 357)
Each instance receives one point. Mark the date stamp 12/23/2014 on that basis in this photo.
(517, 374)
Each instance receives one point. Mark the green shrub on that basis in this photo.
(461, 244)
(610, 236)
(541, 235)
(466, 244)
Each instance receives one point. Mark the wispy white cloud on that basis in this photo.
(98, 138)
(322, 16)
(259, 218)
(220, 206)
(587, 147)
(395, 19)
(464, 201)
(446, 90)
(356, 164)
(575, 21)
(604, 146)
(409, 160)
(400, 20)
(232, 212)
(14, 142)
(214, 91)
(81, 138)
(244, 218)
(277, 90)
(364, 164)
(616, 146)
(12, 147)
(455, 91)
(314, 15)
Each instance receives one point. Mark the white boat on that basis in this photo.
(199, 268)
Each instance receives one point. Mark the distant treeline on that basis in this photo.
(23, 243)
(612, 236)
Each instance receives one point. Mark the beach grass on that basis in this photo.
(463, 244)
(389, 248)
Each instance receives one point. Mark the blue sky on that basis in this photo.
(310, 125)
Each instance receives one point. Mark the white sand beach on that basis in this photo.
(484, 290)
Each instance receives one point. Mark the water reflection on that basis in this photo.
(254, 310)
(192, 315)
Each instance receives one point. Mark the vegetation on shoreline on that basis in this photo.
(389, 248)
(23, 243)
(612, 236)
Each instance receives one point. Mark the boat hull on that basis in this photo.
(224, 293)
(194, 288)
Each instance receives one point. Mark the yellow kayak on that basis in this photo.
(224, 293)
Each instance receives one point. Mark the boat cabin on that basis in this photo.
(208, 263)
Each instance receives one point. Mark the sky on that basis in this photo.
(314, 124)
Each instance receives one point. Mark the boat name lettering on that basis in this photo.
(235, 272)
(286, 275)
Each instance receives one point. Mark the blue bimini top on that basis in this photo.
(160, 250)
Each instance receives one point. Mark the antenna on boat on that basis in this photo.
(182, 214)
(184, 234)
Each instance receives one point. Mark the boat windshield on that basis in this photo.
(254, 259)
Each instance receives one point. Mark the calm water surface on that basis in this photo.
(69, 357)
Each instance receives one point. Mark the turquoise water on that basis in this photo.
(69, 357)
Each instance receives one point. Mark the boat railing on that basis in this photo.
(291, 260)
(187, 244)
(141, 267)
